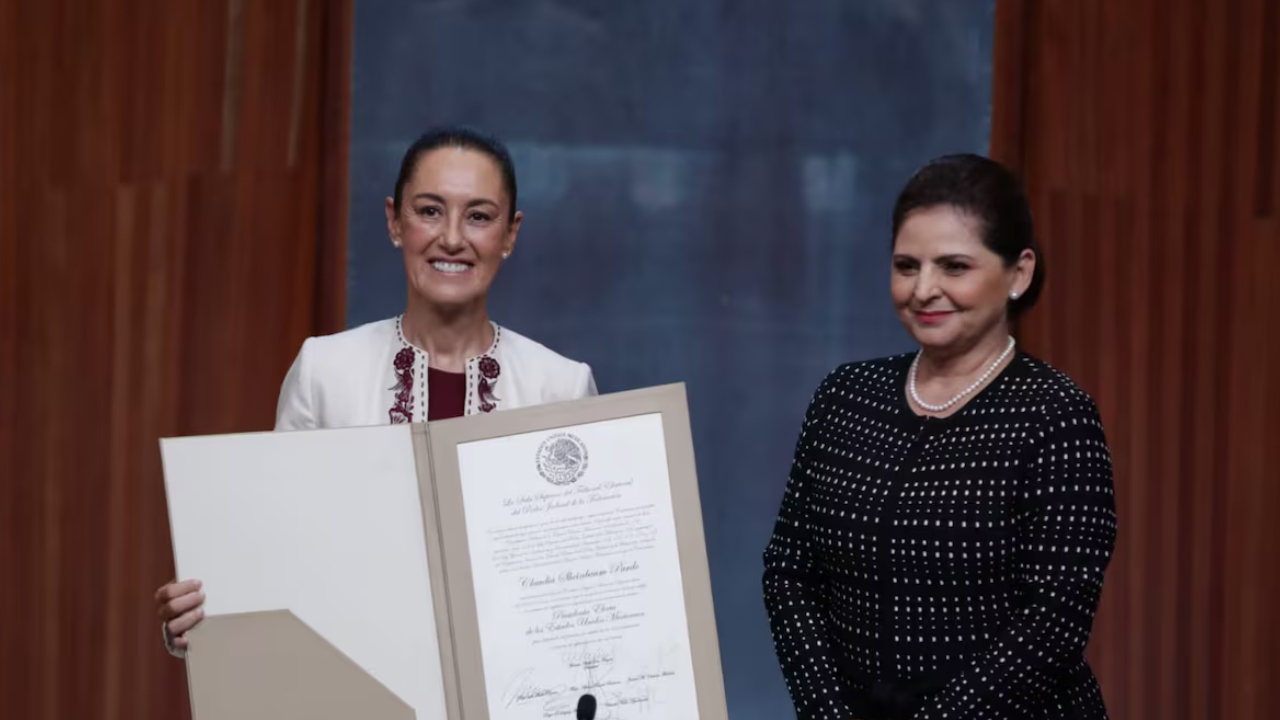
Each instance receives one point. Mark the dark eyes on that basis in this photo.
(433, 211)
(951, 267)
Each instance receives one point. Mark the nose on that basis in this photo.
(926, 287)
(451, 240)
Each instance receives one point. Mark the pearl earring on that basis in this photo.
(1013, 295)
(506, 255)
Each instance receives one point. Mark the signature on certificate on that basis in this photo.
(622, 690)
(525, 688)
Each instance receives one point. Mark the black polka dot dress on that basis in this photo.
(946, 568)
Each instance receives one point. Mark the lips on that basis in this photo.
(932, 317)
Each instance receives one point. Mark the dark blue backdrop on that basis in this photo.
(707, 188)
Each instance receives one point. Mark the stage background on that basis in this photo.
(173, 222)
(173, 190)
(707, 190)
(1146, 131)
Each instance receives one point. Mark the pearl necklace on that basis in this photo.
(911, 381)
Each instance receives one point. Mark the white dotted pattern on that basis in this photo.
(957, 560)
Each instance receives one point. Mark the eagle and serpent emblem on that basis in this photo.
(562, 459)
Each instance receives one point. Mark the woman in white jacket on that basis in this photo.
(453, 217)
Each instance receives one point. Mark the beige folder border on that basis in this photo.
(449, 558)
(271, 665)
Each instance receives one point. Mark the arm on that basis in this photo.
(1067, 533)
(793, 581)
(294, 408)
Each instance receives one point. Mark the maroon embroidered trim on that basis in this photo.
(402, 411)
(489, 372)
(488, 367)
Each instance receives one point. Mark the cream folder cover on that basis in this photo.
(326, 525)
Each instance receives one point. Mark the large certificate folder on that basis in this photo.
(499, 566)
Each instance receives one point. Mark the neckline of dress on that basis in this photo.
(493, 346)
(1019, 356)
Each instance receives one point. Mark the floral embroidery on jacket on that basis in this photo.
(402, 410)
(489, 369)
(489, 372)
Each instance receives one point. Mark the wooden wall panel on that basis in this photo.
(172, 225)
(1146, 133)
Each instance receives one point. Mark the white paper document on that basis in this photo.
(325, 524)
(577, 573)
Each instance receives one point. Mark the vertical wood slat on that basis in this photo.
(1268, 116)
(14, 600)
(146, 289)
(1148, 173)
(1180, 179)
(1011, 57)
(1269, 665)
(1241, 581)
(1202, 420)
(330, 301)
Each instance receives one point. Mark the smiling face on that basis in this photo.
(454, 226)
(951, 292)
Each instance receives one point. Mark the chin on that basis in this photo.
(452, 300)
(447, 297)
(933, 337)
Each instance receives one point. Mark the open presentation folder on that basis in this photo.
(492, 567)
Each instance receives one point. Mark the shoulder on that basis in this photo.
(863, 389)
(876, 376)
(540, 363)
(531, 353)
(348, 353)
(373, 337)
(1038, 386)
(325, 368)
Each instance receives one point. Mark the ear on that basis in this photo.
(1023, 271)
(509, 242)
(393, 221)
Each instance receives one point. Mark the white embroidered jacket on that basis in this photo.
(371, 375)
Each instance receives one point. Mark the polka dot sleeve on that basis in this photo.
(1067, 531)
(798, 612)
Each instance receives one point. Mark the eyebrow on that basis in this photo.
(941, 258)
(441, 200)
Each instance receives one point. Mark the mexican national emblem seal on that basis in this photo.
(562, 459)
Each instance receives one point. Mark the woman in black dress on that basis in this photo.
(949, 516)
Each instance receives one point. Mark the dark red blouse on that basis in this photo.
(446, 394)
